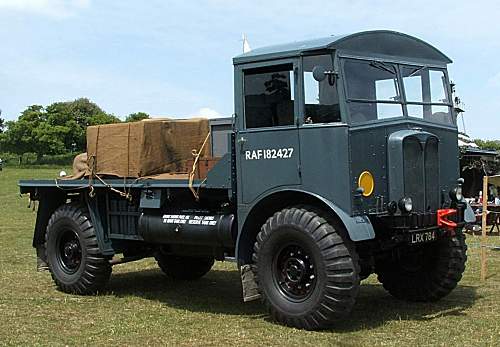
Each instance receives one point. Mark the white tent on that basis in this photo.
(466, 141)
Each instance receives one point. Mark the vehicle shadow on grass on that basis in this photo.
(220, 292)
(216, 292)
(375, 307)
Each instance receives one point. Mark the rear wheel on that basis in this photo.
(425, 273)
(73, 255)
(184, 268)
(306, 268)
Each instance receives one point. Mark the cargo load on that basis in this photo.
(143, 149)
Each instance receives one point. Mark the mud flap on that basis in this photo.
(41, 259)
(48, 203)
(105, 246)
(250, 287)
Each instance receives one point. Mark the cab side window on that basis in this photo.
(321, 98)
(269, 96)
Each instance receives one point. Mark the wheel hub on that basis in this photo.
(295, 272)
(295, 269)
(70, 252)
(70, 249)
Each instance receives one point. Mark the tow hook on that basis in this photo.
(444, 222)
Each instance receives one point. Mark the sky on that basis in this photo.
(174, 58)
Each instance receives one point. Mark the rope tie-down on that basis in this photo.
(91, 162)
(196, 155)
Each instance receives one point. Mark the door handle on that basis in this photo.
(242, 140)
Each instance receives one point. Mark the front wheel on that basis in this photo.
(72, 252)
(306, 268)
(424, 273)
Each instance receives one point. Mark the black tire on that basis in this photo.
(427, 273)
(293, 245)
(184, 268)
(72, 252)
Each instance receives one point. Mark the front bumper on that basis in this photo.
(406, 228)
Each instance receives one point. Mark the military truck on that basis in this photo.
(341, 160)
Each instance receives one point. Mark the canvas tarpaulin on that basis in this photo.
(144, 148)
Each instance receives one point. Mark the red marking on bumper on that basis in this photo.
(443, 222)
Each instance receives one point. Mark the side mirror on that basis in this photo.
(319, 73)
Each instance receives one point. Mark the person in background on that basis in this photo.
(1, 164)
(492, 192)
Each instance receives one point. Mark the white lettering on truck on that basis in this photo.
(272, 153)
(187, 219)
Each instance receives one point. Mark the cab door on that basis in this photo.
(267, 143)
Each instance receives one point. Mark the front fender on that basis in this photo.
(359, 228)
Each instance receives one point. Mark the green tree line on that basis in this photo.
(57, 129)
(60, 129)
(488, 144)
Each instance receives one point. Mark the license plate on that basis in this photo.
(422, 237)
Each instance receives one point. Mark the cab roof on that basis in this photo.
(366, 43)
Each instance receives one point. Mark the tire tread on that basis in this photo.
(97, 269)
(433, 284)
(339, 258)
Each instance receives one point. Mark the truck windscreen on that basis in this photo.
(426, 94)
(375, 91)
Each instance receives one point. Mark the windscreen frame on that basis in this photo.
(398, 63)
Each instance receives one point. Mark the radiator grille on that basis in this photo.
(421, 173)
(431, 160)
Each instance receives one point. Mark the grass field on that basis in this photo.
(142, 307)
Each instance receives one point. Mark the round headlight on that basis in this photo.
(406, 205)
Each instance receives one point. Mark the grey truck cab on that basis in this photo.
(341, 160)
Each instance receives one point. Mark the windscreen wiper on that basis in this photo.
(417, 71)
(382, 66)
